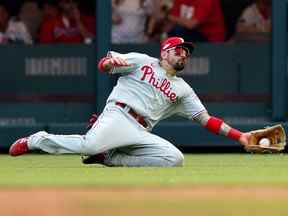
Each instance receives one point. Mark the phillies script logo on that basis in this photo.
(163, 86)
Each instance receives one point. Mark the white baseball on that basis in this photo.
(264, 142)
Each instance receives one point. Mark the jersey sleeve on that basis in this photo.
(133, 59)
(190, 105)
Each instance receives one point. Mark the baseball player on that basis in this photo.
(147, 91)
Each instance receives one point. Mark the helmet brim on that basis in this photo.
(188, 45)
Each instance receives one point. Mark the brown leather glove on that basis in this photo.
(276, 140)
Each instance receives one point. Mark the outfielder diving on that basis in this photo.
(147, 91)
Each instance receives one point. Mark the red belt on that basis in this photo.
(140, 119)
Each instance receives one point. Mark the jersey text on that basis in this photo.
(163, 86)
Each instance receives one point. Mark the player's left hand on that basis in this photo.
(244, 139)
(270, 139)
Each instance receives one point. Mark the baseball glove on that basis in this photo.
(267, 140)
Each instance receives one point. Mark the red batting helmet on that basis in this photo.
(177, 41)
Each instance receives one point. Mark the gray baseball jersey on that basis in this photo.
(147, 89)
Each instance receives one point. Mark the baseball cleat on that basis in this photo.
(93, 159)
(19, 147)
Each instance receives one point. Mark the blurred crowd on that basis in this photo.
(139, 21)
(135, 21)
(47, 21)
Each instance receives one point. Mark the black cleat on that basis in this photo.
(93, 159)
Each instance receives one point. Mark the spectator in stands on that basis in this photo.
(256, 18)
(197, 20)
(31, 15)
(12, 30)
(129, 18)
(50, 10)
(68, 27)
(87, 9)
(232, 11)
(156, 21)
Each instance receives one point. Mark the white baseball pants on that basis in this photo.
(127, 142)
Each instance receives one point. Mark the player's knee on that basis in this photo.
(177, 160)
(91, 146)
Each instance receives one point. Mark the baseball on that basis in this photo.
(264, 142)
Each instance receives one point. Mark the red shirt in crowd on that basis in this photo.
(207, 12)
(61, 30)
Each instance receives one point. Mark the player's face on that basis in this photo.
(177, 57)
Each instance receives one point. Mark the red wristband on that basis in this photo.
(234, 134)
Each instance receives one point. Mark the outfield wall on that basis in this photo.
(56, 89)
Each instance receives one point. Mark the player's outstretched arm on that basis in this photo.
(218, 126)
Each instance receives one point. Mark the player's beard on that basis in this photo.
(179, 66)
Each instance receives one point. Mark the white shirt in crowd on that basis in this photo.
(252, 17)
(131, 28)
(16, 33)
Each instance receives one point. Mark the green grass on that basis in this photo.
(199, 169)
(208, 185)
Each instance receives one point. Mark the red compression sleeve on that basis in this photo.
(102, 66)
(214, 124)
